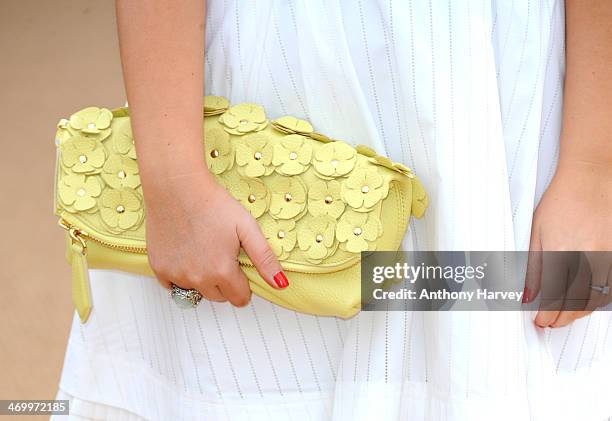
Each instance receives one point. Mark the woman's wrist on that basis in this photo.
(587, 169)
(166, 180)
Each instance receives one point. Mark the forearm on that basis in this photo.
(587, 107)
(162, 53)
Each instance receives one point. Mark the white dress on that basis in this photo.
(467, 93)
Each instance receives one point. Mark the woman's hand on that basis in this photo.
(575, 214)
(194, 233)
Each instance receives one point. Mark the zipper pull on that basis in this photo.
(81, 295)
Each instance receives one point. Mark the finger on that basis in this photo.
(545, 318)
(212, 293)
(578, 297)
(164, 280)
(554, 280)
(533, 276)
(257, 248)
(566, 317)
(235, 287)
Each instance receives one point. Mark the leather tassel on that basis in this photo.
(81, 297)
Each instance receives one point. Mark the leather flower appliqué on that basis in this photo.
(121, 171)
(121, 209)
(288, 197)
(92, 121)
(252, 194)
(366, 151)
(281, 235)
(335, 159)
(420, 200)
(244, 118)
(357, 231)
(82, 155)
(317, 238)
(364, 188)
(123, 140)
(78, 192)
(254, 155)
(292, 155)
(324, 198)
(219, 150)
(289, 124)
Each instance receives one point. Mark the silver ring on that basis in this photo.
(602, 289)
(185, 298)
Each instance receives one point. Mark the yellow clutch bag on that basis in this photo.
(320, 202)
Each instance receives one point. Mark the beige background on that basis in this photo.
(56, 57)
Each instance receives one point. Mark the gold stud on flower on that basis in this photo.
(78, 192)
(334, 159)
(92, 121)
(244, 118)
(252, 194)
(121, 171)
(219, 150)
(82, 155)
(364, 188)
(288, 197)
(281, 235)
(317, 238)
(357, 231)
(121, 209)
(254, 154)
(324, 199)
(292, 155)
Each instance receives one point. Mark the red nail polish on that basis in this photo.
(525, 295)
(281, 280)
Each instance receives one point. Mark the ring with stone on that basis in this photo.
(602, 289)
(185, 298)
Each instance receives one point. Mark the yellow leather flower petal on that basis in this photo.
(82, 155)
(288, 197)
(121, 209)
(366, 151)
(244, 118)
(403, 169)
(252, 194)
(254, 155)
(364, 188)
(214, 105)
(219, 150)
(92, 120)
(77, 192)
(123, 140)
(357, 231)
(420, 200)
(281, 235)
(324, 198)
(317, 238)
(121, 171)
(335, 159)
(292, 155)
(289, 124)
(395, 166)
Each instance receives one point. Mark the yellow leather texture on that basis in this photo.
(320, 202)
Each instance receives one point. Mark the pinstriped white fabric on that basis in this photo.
(467, 93)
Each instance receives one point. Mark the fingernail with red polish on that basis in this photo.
(281, 280)
(525, 295)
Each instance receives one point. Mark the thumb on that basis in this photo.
(257, 248)
(533, 277)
